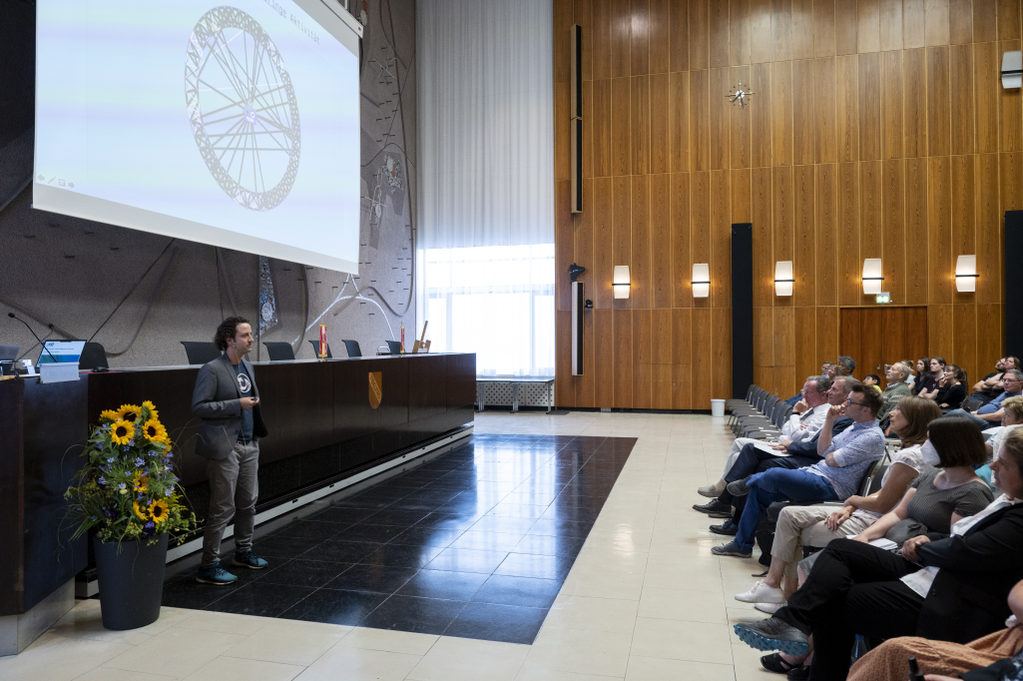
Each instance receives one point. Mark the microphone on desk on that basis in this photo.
(50, 326)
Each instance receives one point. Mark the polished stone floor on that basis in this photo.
(475, 543)
(644, 601)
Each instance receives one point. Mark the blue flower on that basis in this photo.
(170, 491)
(149, 528)
(121, 486)
(110, 460)
(94, 518)
(139, 462)
(102, 480)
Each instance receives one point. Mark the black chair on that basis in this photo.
(394, 347)
(200, 352)
(279, 352)
(353, 348)
(94, 356)
(316, 348)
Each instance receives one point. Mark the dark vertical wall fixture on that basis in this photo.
(1013, 282)
(742, 308)
(576, 107)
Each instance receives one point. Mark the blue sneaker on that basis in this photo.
(249, 560)
(214, 575)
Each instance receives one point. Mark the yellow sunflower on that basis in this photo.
(140, 481)
(139, 511)
(128, 412)
(109, 415)
(121, 432)
(158, 510)
(153, 414)
(154, 431)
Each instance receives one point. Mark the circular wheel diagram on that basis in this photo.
(242, 108)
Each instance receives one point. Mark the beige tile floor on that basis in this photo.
(645, 600)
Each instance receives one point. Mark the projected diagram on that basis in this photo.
(242, 108)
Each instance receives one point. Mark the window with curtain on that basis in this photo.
(485, 238)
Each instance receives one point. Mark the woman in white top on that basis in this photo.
(818, 525)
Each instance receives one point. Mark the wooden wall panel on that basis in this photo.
(877, 130)
(622, 361)
(869, 66)
(781, 113)
(679, 35)
(601, 267)
(678, 123)
(849, 263)
(802, 29)
(564, 389)
(804, 255)
(681, 260)
(621, 39)
(641, 270)
(681, 359)
(621, 126)
(642, 359)
(916, 231)
(660, 36)
(891, 105)
(661, 358)
(639, 136)
(893, 228)
(890, 18)
(659, 137)
(699, 35)
(938, 102)
(640, 53)
(989, 230)
(868, 28)
(738, 33)
(662, 277)
(939, 222)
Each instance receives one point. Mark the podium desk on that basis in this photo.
(326, 422)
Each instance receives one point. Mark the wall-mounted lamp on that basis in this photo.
(783, 278)
(966, 273)
(872, 276)
(620, 282)
(1012, 69)
(701, 280)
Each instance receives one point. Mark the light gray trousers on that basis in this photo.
(234, 488)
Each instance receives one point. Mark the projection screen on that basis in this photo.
(234, 125)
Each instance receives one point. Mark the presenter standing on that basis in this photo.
(226, 399)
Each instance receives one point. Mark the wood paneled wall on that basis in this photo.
(879, 128)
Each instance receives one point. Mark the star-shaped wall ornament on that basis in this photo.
(739, 96)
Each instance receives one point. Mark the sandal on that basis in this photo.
(799, 673)
(777, 664)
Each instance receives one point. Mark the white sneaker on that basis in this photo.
(769, 608)
(712, 491)
(762, 593)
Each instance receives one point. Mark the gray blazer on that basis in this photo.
(216, 400)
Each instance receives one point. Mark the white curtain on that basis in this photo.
(485, 253)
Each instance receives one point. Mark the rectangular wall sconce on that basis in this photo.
(1012, 69)
(701, 280)
(783, 280)
(620, 282)
(872, 276)
(966, 273)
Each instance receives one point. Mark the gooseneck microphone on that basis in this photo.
(46, 349)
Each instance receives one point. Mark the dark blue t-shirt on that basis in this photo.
(245, 390)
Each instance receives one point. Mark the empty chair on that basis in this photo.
(279, 352)
(353, 348)
(93, 357)
(394, 347)
(200, 352)
(316, 348)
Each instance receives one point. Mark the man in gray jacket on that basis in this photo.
(226, 399)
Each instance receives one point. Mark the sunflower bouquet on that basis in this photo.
(128, 489)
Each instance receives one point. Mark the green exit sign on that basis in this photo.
(883, 298)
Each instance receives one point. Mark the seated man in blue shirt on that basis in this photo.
(990, 414)
(846, 458)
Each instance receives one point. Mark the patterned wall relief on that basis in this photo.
(141, 294)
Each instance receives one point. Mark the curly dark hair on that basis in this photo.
(226, 330)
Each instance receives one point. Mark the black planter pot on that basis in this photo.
(130, 581)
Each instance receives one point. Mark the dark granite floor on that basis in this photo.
(473, 543)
